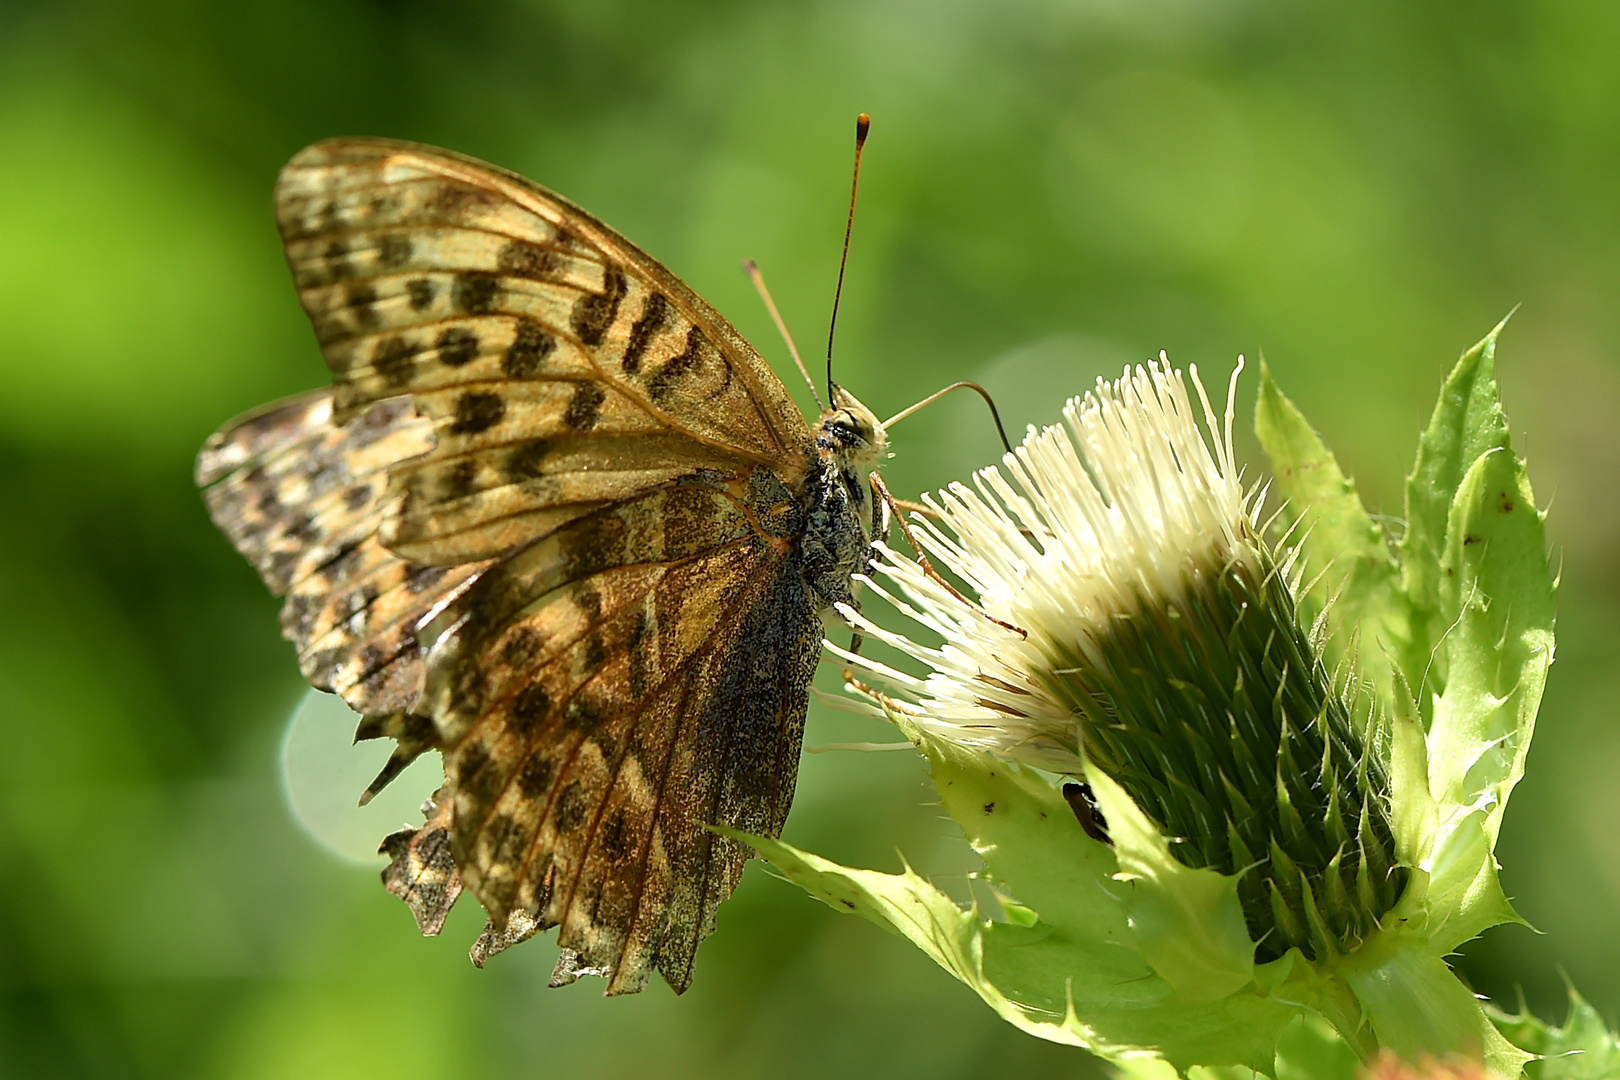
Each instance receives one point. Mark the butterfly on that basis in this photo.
(556, 519)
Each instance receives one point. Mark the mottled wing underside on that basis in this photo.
(302, 499)
(635, 664)
(562, 369)
(421, 870)
(612, 692)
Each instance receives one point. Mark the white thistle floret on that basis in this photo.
(1123, 507)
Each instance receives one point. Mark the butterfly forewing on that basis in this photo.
(599, 486)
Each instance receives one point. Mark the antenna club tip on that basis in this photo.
(863, 124)
(749, 266)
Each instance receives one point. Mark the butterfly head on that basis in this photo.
(851, 432)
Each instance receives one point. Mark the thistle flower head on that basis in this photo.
(1160, 645)
(1256, 846)
(1121, 507)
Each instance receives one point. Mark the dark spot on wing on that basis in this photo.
(585, 407)
(615, 844)
(653, 315)
(523, 259)
(394, 359)
(421, 291)
(337, 263)
(457, 480)
(638, 654)
(475, 293)
(278, 571)
(457, 346)
(589, 601)
(419, 579)
(298, 614)
(535, 780)
(472, 761)
(301, 528)
(531, 706)
(357, 497)
(595, 653)
(372, 658)
(527, 462)
(522, 648)
(690, 515)
(594, 312)
(570, 807)
(664, 378)
(340, 565)
(594, 544)
(476, 411)
(360, 298)
(584, 713)
(475, 776)
(526, 356)
(394, 249)
(505, 838)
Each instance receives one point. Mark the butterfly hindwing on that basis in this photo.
(604, 720)
(302, 498)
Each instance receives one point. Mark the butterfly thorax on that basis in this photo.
(840, 511)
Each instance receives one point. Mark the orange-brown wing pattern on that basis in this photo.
(633, 666)
(562, 369)
(611, 692)
(301, 498)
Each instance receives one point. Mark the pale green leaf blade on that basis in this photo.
(1040, 979)
(1345, 556)
(1497, 597)
(1584, 1048)
(1187, 923)
(1466, 423)
(1417, 1007)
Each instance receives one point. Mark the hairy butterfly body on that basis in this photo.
(558, 520)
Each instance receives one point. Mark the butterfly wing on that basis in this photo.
(634, 665)
(562, 367)
(299, 496)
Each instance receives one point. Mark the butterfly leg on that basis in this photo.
(882, 519)
(927, 567)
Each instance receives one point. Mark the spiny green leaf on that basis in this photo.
(1583, 1049)
(1496, 596)
(1416, 1005)
(1467, 422)
(1344, 550)
(1079, 974)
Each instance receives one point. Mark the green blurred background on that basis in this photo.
(1052, 189)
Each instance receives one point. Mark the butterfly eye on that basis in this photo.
(849, 430)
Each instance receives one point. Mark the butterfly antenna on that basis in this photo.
(863, 124)
(751, 268)
(937, 394)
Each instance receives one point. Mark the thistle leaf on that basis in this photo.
(1467, 422)
(1416, 1006)
(1496, 597)
(1583, 1049)
(1345, 553)
(1085, 972)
